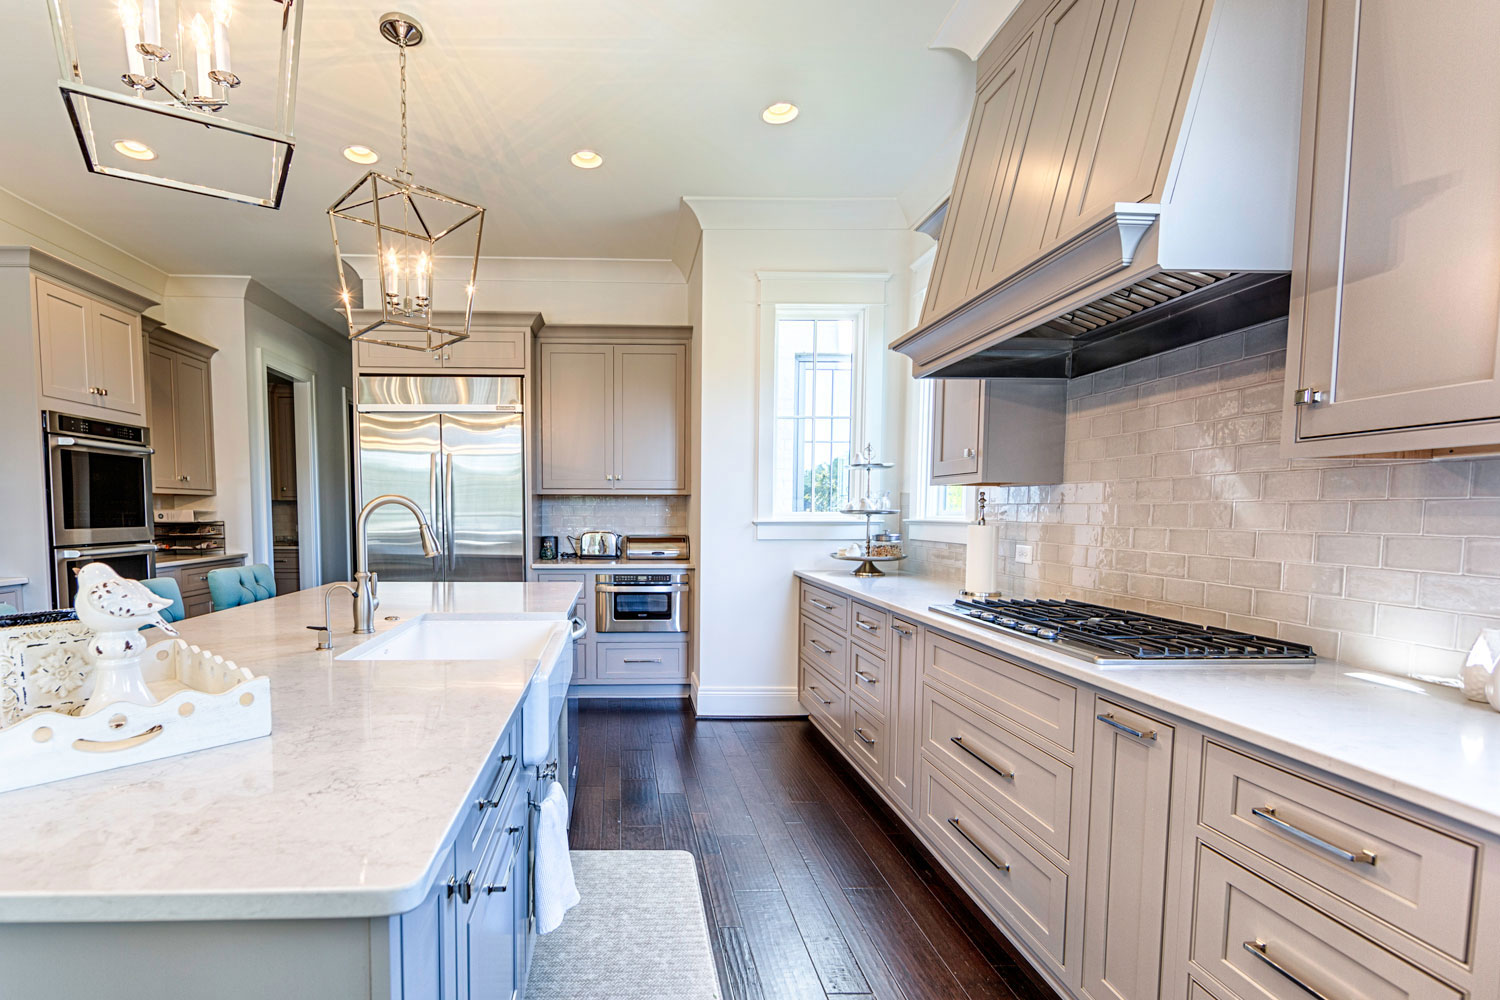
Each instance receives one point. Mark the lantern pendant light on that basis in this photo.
(414, 228)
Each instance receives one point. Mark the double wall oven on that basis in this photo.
(98, 499)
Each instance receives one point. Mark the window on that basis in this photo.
(933, 503)
(818, 396)
(820, 382)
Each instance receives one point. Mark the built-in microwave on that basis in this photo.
(98, 481)
(641, 602)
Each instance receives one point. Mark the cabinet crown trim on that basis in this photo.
(89, 283)
(172, 341)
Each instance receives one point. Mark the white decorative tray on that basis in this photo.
(203, 701)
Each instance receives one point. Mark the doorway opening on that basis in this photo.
(287, 501)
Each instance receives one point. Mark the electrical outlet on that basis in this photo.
(1023, 554)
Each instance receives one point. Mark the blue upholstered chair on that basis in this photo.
(165, 586)
(229, 588)
(9, 609)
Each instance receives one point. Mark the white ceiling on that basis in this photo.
(669, 91)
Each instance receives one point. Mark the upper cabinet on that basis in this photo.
(497, 343)
(1394, 339)
(180, 413)
(991, 432)
(90, 352)
(614, 416)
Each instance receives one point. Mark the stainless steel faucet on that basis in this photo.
(365, 582)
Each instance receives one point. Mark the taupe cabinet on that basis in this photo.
(1073, 113)
(1131, 855)
(281, 411)
(998, 431)
(613, 418)
(489, 348)
(180, 413)
(192, 580)
(1395, 323)
(90, 352)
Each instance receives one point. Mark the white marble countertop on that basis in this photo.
(589, 565)
(1420, 743)
(171, 560)
(340, 812)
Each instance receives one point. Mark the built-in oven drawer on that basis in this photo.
(658, 606)
(133, 562)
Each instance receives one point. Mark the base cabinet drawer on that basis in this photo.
(1005, 772)
(825, 647)
(868, 681)
(994, 863)
(1037, 703)
(1261, 942)
(624, 662)
(823, 698)
(869, 625)
(1416, 878)
(826, 606)
(867, 742)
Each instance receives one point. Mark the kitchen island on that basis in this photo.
(275, 867)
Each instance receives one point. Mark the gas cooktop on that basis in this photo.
(1109, 637)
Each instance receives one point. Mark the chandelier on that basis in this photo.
(148, 86)
(409, 223)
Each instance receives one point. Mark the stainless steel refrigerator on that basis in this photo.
(454, 445)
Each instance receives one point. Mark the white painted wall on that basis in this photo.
(745, 626)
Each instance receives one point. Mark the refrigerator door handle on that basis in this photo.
(433, 510)
(449, 514)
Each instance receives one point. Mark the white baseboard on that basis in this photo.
(747, 701)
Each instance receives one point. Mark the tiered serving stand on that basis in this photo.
(867, 562)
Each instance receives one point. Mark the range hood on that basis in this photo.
(1208, 252)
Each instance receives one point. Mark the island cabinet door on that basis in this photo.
(429, 940)
(1127, 854)
(487, 951)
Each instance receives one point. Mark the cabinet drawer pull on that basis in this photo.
(815, 644)
(466, 888)
(1268, 814)
(452, 885)
(1001, 866)
(1109, 720)
(1259, 950)
(814, 689)
(867, 678)
(904, 632)
(819, 604)
(861, 734)
(958, 741)
(643, 659)
(866, 626)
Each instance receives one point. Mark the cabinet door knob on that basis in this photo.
(968, 453)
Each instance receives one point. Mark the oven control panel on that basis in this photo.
(62, 423)
(640, 579)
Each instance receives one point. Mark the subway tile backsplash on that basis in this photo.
(1177, 502)
(568, 515)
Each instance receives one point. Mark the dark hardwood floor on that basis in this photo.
(813, 887)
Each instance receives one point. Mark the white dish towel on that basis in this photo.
(556, 892)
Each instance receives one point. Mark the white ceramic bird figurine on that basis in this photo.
(117, 609)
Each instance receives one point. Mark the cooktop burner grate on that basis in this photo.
(1128, 635)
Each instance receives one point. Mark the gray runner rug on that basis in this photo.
(640, 933)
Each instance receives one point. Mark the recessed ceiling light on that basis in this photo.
(587, 159)
(779, 113)
(135, 149)
(360, 154)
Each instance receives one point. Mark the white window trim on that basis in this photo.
(923, 525)
(837, 291)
